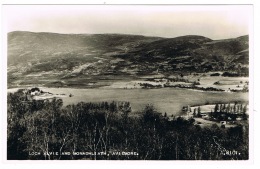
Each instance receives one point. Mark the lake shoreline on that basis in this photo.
(170, 100)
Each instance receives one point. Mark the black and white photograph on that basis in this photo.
(128, 82)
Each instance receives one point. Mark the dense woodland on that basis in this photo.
(47, 126)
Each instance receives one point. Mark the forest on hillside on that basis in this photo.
(47, 130)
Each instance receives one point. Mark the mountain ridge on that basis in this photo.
(92, 56)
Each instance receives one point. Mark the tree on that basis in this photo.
(235, 108)
(216, 109)
(125, 108)
(106, 127)
(221, 108)
(245, 108)
(194, 112)
(165, 115)
(241, 108)
(199, 113)
(224, 108)
(228, 108)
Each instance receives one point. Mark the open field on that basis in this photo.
(205, 81)
(225, 83)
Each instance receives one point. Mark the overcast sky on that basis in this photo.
(215, 21)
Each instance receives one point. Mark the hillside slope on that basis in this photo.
(69, 59)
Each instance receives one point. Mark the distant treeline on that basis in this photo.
(47, 126)
(232, 74)
(227, 112)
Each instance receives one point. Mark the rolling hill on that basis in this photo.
(72, 59)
